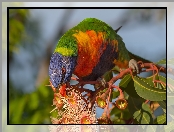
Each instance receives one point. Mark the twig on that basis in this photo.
(121, 92)
(146, 101)
(108, 103)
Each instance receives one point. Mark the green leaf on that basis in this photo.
(126, 95)
(134, 104)
(144, 115)
(120, 114)
(162, 78)
(116, 70)
(157, 77)
(125, 81)
(147, 91)
(162, 104)
(102, 91)
(115, 111)
(160, 119)
(108, 76)
(115, 94)
(127, 84)
(130, 89)
(119, 121)
(161, 85)
(163, 61)
(149, 80)
(126, 114)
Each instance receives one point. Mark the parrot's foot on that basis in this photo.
(134, 65)
(102, 83)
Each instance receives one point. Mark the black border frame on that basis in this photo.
(8, 123)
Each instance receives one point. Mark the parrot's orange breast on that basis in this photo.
(94, 52)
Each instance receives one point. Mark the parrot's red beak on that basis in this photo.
(62, 89)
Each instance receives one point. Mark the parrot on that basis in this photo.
(88, 50)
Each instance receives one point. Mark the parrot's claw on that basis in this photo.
(101, 81)
(134, 65)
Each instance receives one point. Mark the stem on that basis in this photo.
(120, 75)
(146, 101)
(94, 96)
(108, 104)
(121, 92)
(148, 66)
(158, 81)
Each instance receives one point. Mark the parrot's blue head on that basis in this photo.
(61, 68)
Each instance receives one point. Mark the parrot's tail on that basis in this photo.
(138, 58)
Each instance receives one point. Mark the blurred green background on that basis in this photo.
(27, 107)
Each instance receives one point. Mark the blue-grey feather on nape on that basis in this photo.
(57, 63)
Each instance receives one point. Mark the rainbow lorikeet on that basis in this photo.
(88, 50)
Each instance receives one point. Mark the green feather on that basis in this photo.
(67, 44)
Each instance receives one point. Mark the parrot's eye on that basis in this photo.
(63, 70)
